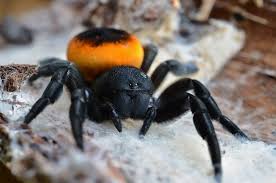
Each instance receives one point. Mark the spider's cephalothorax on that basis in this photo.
(128, 89)
(107, 79)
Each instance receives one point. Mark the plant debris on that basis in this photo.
(13, 75)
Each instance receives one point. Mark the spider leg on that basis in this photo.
(65, 74)
(51, 60)
(150, 52)
(205, 128)
(49, 96)
(80, 96)
(204, 95)
(173, 66)
(77, 114)
(48, 67)
(173, 103)
(202, 92)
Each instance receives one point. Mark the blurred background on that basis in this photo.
(16, 8)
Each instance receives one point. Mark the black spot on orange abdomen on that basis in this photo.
(98, 50)
(99, 36)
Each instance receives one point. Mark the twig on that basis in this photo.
(208, 5)
(258, 3)
(268, 73)
(244, 13)
(204, 10)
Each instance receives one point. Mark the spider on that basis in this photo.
(106, 75)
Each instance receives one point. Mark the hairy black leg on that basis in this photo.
(204, 127)
(48, 67)
(49, 96)
(202, 92)
(80, 96)
(150, 52)
(150, 116)
(78, 110)
(173, 66)
(172, 93)
(63, 73)
(172, 103)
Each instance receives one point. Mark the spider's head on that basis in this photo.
(98, 50)
(127, 88)
(128, 80)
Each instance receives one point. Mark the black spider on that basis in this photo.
(127, 92)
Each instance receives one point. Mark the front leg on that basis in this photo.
(49, 96)
(77, 114)
(150, 116)
(63, 73)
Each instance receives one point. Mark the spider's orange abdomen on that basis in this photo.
(98, 50)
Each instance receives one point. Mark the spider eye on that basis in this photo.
(133, 85)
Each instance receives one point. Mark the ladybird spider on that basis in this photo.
(106, 77)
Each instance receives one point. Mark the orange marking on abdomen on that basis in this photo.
(93, 60)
